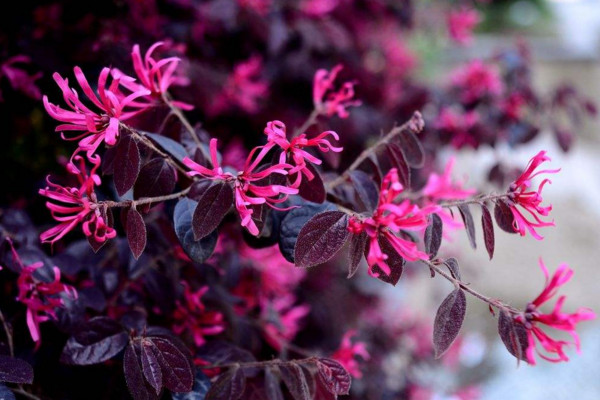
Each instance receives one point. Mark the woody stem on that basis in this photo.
(311, 120)
(258, 364)
(477, 200)
(145, 200)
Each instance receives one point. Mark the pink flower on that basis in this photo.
(390, 218)
(101, 125)
(442, 188)
(191, 315)
(215, 173)
(71, 206)
(530, 200)
(276, 133)
(461, 24)
(261, 7)
(284, 328)
(244, 88)
(533, 317)
(477, 81)
(18, 78)
(459, 126)
(329, 101)
(318, 8)
(349, 351)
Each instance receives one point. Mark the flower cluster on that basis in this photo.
(551, 349)
(329, 101)
(461, 23)
(349, 353)
(477, 81)
(19, 79)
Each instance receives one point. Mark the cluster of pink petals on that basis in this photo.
(71, 206)
(388, 220)
(288, 316)
(425, 393)
(477, 81)
(244, 88)
(522, 195)
(461, 24)
(19, 79)
(318, 8)
(190, 315)
(349, 352)
(458, 125)
(327, 100)
(552, 349)
(294, 149)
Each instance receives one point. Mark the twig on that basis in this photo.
(258, 364)
(311, 120)
(8, 333)
(145, 200)
(477, 200)
(25, 393)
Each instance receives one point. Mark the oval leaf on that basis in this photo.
(294, 379)
(177, 371)
(411, 148)
(357, 248)
(96, 348)
(399, 162)
(134, 377)
(448, 320)
(200, 250)
(333, 375)
(127, 164)
(365, 189)
(467, 218)
(394, 261)
(150, 366)
(513, 335)
(14, 370)
(313, 190)
(321, 238)
(433, 235)
(136, 232)
(212, 206)
(199, 391)
(504, 216)
(157, 178)
(229, 386)
(272, 387)
(488, 230)
(452, 265)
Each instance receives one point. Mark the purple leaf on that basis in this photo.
(448, 320)
(97, 341)
(197, 250)
(313, 190)
(336, 379)
(504, 216)
(14, 370)
(321, 238)
(399, 162)
(272, 387)
(411, 148)
(452, 265)
(157, 178)
(201, 387)
(394, 261)
(136, 232)
(488, 230)
(134, 377)
(6, 393)
(108, 217)
(513, 335)
(177, 371)
(150, 366)
(366, 189)
(433, 235)
(127, 164)
(212, 206)
(294, 379)
(467, 218)
(357, 248)
(229, 386)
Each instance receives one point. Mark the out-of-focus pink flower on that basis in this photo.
(512, 107)
(390, 219)
(521, 195)
(349, 351)
(461, 24)
(97, 126)
(329, 101)
(557, 319)
(19, 79)
(71, 206)
(318, 8)
(458, 126)
(466, 393)
(477, 81)
(441, 187)
(282, 320)
(276, 133)
(244, 88)
(190, 315)
(261, 7)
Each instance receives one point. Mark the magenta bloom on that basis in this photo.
(19, 79)
(388, 220)
(477, 81)
(441, 187)
(521, 195)
(283, 330)
(461, 24)
(349, 352)
(458, 126)
(329, 101)
(318, 8)
(552, 349)
(71, 206)
(276, 133)
(191, 315)
(99, 123)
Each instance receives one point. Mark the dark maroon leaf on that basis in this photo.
(150, 366)
(294, 379)
(14, 370)
(229, 386)
(212, 206)
(467, 218)
(504, 216)
(357, 248)
(108, 217)
(156, 178)
(321, 238)
(197, 250)
(272, 387)
(448, 320)
(513, 335)
(399, 162)
(371, 165)
(313, 190)
(366, 189)
(134, 377)
(99, 340)
(201, 387)
(127, 164)
(177, 371)
(108, 161)
(411, 148)
(222, 352)
(136, 232)
(394, 261)
(433, 235)
(452, 265)
(334, 376)
(488, 230)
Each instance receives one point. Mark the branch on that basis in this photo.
(310, 121)
(477, 200)
(259, 364)
(8, 332)
(145, 200)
